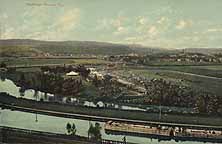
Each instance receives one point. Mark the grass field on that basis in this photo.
(218, 67)
(90, 61)
(42, 61)
(168, 73)
(213, 71)
(171, 73)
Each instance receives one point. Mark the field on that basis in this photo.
(210, 70)
(51, 61)
(184, 75)
(207, 78)
(204, 78)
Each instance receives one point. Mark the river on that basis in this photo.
(9, 87)
(57, 124)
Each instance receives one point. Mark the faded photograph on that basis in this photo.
(110, 71)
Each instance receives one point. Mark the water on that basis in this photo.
(57, 124)
(9, 87)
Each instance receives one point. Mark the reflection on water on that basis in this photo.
(58, 124)
(9, 87)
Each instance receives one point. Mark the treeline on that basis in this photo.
(161, 92)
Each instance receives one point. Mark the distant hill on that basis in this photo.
(28, 47)
(64, 47)
(204, 50)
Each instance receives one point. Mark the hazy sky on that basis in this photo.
(156, 23)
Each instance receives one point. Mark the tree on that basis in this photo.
(3, 77)
(68, 127)
(97, 131)
(83, 71)
(94, 132)
(90, 130)
(22, 91)
(22, 80)
(95, 81)
(3, 65)
(71, 129)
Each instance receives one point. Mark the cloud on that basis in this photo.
(142, 20)
(116, 22)
(9, 33)
(214, 30)
(161, 20)
(183, 24)
(153, 31)
(121, 30)
(42, 25)
(4, 16)
(195, 38)
(68, 20)
(6, 30)
(103, 24)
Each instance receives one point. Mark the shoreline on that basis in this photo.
(97, 114)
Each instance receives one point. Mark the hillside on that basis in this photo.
(27, 47)
(204, 50)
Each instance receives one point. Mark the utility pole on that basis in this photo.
(36, 117)
(160, 113)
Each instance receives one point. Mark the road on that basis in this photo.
(186, 73)
(192, 74)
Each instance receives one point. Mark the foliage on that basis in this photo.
(3, 65)
(22, 91)
(95, 131)
(166, 93)
(83, 71)
(71, 129)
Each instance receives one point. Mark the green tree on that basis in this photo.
(3, 65)
(23, 81)
(90, 130)
(22, 91)
(97, 131)
(94, 132)
(71, 129)
(68, 127)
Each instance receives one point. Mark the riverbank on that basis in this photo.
(17, 135)
(101, 114)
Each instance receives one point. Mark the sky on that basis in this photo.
(153, 23)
